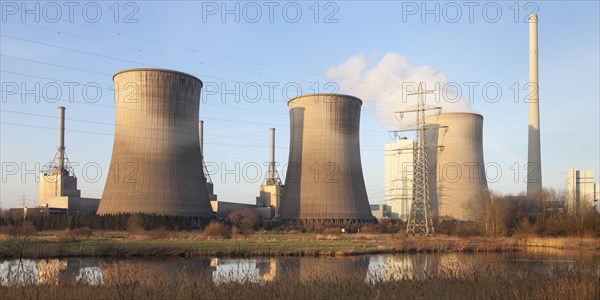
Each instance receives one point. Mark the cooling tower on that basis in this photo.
(156, 164)
(456, 155)
(324, 178)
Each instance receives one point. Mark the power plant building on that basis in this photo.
(398, 168)
(580, 188)
(271, 190)
(156, 164)
(57, 192)
(324, 180)
(456, 158)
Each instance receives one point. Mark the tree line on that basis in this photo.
(544, 214)
(106, 222)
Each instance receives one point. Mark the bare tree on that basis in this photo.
(245, 219)
(19, 237)
(545, 203)
(586, 218)
(488, 211)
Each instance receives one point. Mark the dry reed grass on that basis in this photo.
(122, 280)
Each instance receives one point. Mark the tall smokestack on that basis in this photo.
(201, 132)
(534, 166)
(61, 138)
(272, 157)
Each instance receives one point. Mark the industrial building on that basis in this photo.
(57, 192)
(324, 181)
(381, 211)
(156, 164)
(271, 189)
(579, 188)
(398, 168)
(456, 165)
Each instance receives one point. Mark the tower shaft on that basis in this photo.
(534, 164)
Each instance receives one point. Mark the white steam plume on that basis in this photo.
(383, 85)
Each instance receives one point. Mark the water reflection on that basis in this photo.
(401, 267)
(243, 270)
(50, 271)
(372, 269)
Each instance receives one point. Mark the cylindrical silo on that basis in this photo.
(156, 164)
(458, 165)
(324, 179)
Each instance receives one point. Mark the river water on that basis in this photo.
(373, 268)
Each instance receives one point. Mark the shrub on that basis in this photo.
(369, 229)
(216, 229)
(161, 233)
(524, 228)
(84, 232)
(245, 219)
(332, 230)
(73, 235)
(134, 224)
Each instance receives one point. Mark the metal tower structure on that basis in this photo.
(420, 221)
(272, 175)
(201, 135)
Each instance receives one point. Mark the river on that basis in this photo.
(370, 268)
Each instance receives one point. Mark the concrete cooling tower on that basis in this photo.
(458, 164)
(324, 180)
(156, 164)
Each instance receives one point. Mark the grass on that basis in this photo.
(48, 244)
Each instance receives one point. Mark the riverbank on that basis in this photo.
(56, 244)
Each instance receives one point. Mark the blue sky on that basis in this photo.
(290, 50)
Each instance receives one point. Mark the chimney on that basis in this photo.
(534, 163)
(272, 157)
(61, 139)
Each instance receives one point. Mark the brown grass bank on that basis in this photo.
(186, 244)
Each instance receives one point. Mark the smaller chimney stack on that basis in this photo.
(61, 138)
(272, 157)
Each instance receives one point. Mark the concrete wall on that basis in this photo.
(324, 178)
(55, 189)
(224, 208)
(458, 166)
(381, 211)
(156, 164)
(270, 196)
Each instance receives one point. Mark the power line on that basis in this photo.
(61, 32)
(128, 136)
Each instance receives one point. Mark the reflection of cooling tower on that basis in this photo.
(324, 180)
(156, 163)
(460, 166)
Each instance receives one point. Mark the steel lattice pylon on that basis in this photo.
(420, 221)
